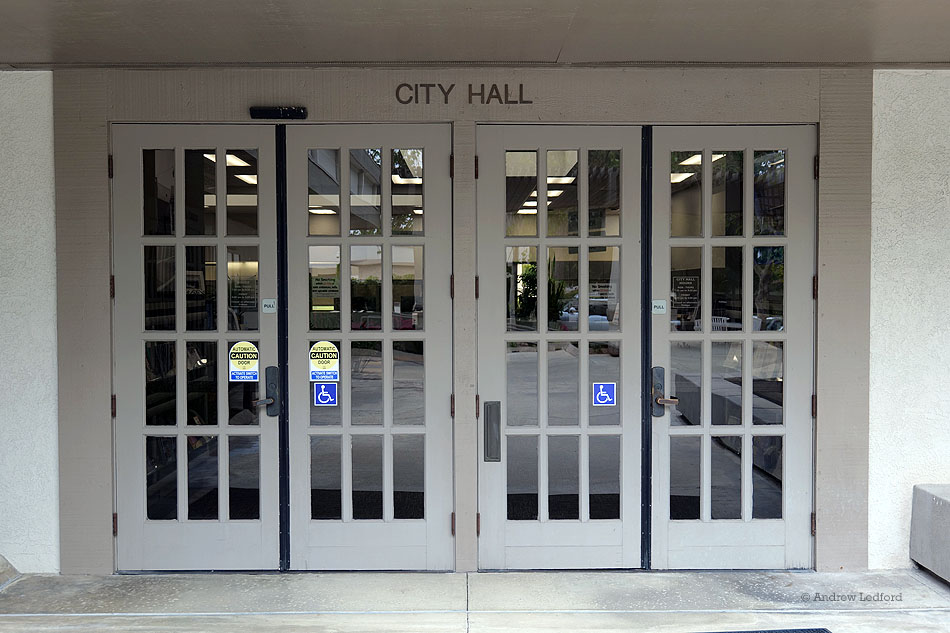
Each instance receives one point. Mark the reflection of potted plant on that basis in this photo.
(528, 297)
(556, 299)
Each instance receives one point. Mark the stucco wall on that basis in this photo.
(29, 469)
(910, 302)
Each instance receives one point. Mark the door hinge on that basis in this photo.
(814, 406)
(816, 167)
(814, 524)
(451, 286)
(115, 524)
(476, 286)
(110, 166)
(112, 286)
(814, 287)
(451, 165)
(476, 167)
(113, 405)
(478, 524)
(477, 405)
(453, 524)
(452, 405)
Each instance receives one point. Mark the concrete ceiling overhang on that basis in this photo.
(51, 33)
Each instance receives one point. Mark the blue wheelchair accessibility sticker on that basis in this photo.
(324, 394)
(605, 394)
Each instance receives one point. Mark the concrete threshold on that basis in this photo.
(682, 602)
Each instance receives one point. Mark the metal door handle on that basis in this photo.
(667, 402)
(493, 431)
(257, 403)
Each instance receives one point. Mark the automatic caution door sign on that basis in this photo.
(243, 362)
(324, 362)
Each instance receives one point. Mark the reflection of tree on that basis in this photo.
(768, 266)
(556, 299)
(528, 294)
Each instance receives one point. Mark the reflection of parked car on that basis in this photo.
(774, 323)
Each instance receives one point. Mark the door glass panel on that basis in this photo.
(202, 477)
(160, 383)
(326, 489)
(604, 288)
(201, 292)
(767, 477)
(604, 462)
(685, 288)
(521, 193)
(159, 288)
(323, 192)
(727, 383)
(562, 192)
(242, 191)
(242, 287)
(366, 292)
(686, 362)
(522, 288)
(563, 381)
(407, 287)
(768, 382)
(241, 395)
(563, 477)
(201, 365)
(324, 287)
(685, 476)
(244, 476)
(563, 288)
(161, 478)
(409, 401)
(522, 471)
(158, 191)
(409, 476)
(522, 384)
(365, 190)
(768, 288)
(603, 192)
(686, 194)
(408, 208)
(769, 192)
(200, 186)
(727, 191)
(604, 366)
(366, 376)
(726, 472)
(726, 288)
(323, 415)
(367, 476)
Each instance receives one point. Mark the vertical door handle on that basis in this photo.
(658, 399)
(493, 431)
(271, 391)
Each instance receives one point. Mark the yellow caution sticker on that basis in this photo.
(243, 362)
(324, 362)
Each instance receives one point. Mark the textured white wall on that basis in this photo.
(29, 455)
(910, 302)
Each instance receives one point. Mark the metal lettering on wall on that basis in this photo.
(477, 94)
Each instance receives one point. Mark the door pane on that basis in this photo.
(686, 194)
(365, 190)
(409, 476)
(603, 192)
(604, 288)
(159, 287)
(726, 470)
(202, 477)
(563, 289)
(604, 462)
(727, 383)
(769, 196)
(326, 489)
(366, 376)
(324, 287)
(161, 478)
(367, 477)
(409, 401)
(727, 189)
(160, 383)
(521, 193)
(521, 382)
(563, 384)
(201, 292)
(323, 192)
(522, 471)
(244, 476)
(604, 366)
(726, 288)
(685, 476)
(158, 191)
(242, 191)
(685, 288)
(768, 382)
(767, 477)
(201, 364)
(686, 363)
(407, 191)
(522, 288)
(366, 292)
(408, 267)
(328, 415)
(768, 288)
(563, 477)
(200, 186)
(562, 192)
(242, 287)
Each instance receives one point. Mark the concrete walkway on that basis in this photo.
(875, 602)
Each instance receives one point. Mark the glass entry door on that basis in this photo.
(559, 346)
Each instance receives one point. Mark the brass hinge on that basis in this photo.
(477, 405)
(451, 165)
(814, 406)
(112, 286)
(115, 524)
(814, 524)
(476, 167)
(816, 167)
(452, 405)
(814, 287)
(453, 524)
(113, 405)
(476, 286)
(110, 166)
(451, 286)
(478, 524)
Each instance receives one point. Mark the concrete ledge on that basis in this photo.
(8, 572)
(930, 528)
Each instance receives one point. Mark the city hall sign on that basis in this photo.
(477, 94)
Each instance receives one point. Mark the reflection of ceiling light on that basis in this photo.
(697, 159)
(211, 157)
(322, 211)
(417, 211)
(399, 180)
(779, 379)
(250, 179)
(231, 160)
(527, 212)
(554, 193)
(778, 162)
(560, 180)
(679, 177)
(530, 203)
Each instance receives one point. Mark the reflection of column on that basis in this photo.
(613, 293)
